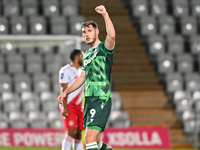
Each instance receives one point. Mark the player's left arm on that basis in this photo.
(110, 38)
(78, 82)
(65, 109)
(63, 87)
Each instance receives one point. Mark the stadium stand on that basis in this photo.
(69, 8)
(29, 72)
(119, 119)
(5, 83)
(3, 26)
(140, 8)
(37, 119)
(4, 123)
(18, 25)
(29, 7)
(11, 102)
(158, 7)
(11, 8)
(2, 65)
(37, 25)
(156, 45)
(54, 119)
(153, 37)
(18, 119)
(22, 82)
(41, 82)
(173, 50)
(48, 102)
(8, 48)
(166, 25)
(50, 7)
(58, 25)
(174, 82)
(175, 44)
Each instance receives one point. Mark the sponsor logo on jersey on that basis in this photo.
(87, 61)
(92, 50)
(89, 52)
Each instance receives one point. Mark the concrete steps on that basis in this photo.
(133, 68)
(124, 62)
(153, 109)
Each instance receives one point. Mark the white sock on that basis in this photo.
(77, 145)
(67, 142)
(100, 145)
(92, 146)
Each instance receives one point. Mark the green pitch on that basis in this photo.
(58, 148)
(30, 148)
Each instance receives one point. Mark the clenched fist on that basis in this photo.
(101, 10)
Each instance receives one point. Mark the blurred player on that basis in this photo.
(97, 65)
(73, 113)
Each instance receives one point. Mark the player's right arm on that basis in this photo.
(74, 86)
(63, 87)
(110, 38)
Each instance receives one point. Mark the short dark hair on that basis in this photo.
(74, 53)
(90, 22)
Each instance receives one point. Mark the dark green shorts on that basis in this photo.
(96, 112)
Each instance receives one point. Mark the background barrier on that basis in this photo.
(135, 137)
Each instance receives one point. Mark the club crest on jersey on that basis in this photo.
(71, 123)
(87, 61)
(61, 75)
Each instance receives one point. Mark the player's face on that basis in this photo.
(80, 61)
(89, 35)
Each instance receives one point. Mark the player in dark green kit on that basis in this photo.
(97, 64)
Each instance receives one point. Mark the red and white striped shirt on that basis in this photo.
(67, 75)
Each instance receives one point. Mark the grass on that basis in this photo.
(30, 148)
(58, 148)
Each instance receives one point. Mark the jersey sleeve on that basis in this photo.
(83, 65)
(63, 76)
(109, 51)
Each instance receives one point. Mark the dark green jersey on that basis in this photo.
(97, 64)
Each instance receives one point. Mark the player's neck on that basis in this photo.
(75, 65)
(95, 44)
